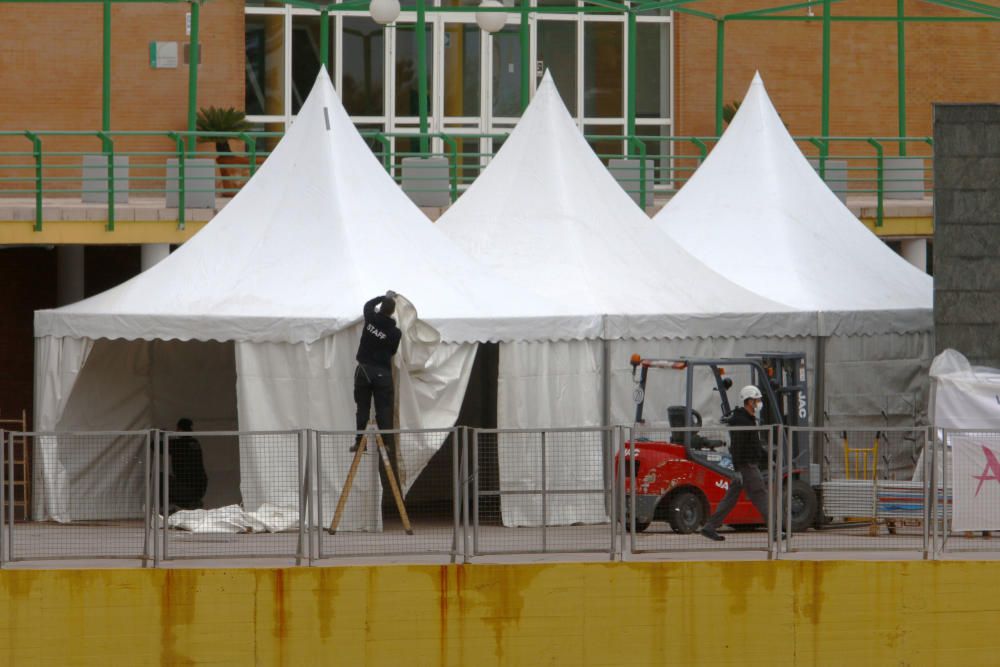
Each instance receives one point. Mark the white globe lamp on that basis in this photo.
(384, 12)
(491, 21)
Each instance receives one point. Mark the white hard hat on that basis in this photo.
(748, 392)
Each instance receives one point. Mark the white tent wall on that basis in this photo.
(124, 385)
(866, 375)
(290, 386)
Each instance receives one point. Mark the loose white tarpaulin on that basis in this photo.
(235, 519)
(279, 277)
(547, 215)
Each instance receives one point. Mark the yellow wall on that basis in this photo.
(768, 613)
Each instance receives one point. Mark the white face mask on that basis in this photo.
(758, 411)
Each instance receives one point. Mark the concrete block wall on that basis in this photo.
(967, 230)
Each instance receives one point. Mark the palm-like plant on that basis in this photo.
(215, 119)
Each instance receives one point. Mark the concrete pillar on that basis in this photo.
(914, 251)
(69, 274)
(153, 253)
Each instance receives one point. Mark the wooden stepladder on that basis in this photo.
(390, 475)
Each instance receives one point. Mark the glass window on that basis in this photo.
(603, 89)
(557, 54)
(363, 86)
(406, 70)
(652, 74)
(461, 69)
(265, 65)
(507, 72)
(306, 56)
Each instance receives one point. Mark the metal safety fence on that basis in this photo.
(466, 494)
(542, 491)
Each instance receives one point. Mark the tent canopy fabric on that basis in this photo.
(547, 215)
(758, 213)
(318, 230)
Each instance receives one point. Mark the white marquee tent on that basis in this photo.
(548, 216)
(253, 323)
(758, 213)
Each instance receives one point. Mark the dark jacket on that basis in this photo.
(746, 447)
(188, 481)
(379, 337)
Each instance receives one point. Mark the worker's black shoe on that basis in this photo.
(712, 535)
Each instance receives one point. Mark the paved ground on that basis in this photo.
(121, 544)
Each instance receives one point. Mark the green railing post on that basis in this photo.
(824, 150)
(879, 180)
(524, 37)
(106, 69)
(251, 149)
(181, 199)
(825, 103)
(720, 69)
(453, 170)
(324, 37)
(631, 36)
(108, 148)
(36, 147)
(421, 36)
(901, 71)
(643, 185)
(194, 52)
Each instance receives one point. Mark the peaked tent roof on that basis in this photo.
(318, 230)
(547, 215)
(757, 212)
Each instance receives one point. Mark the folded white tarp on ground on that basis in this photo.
(277, 279)
(966, 397)
(234, 519)
(548, 216)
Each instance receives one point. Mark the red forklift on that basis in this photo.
(681, 479)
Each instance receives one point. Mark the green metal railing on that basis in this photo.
(48, 169)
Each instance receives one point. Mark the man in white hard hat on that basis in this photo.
(748, 451)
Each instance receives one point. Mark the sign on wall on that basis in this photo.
(975, 481)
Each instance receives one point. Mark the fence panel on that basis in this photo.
(871, 490)
(90, 496)
(542, 491)
(370, 523)
(967, 491)
(675, 478)
(248, 503)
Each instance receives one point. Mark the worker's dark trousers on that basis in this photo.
(374, 382)
(756, 492)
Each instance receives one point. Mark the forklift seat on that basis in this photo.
(675, 415)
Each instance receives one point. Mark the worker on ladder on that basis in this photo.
(373, 377)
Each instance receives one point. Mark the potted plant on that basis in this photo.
(215, 119)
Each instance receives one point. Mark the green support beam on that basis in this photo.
(901, 71)
(524, 37)
(631, 83)
(720, 70)
(106, 69)
(825, 103)
(193, 59)
(324, 38)
(421, 36)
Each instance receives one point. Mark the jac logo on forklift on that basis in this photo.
(722, 484)
(803, 407)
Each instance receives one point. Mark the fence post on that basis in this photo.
(775, 470)
(303, 467)
(109, 154)
(545, 513)
(456, 474)
(879, 179)
(165, 495)
(465, 494)
(475, 490)
(155, 502)
(181, 204)
(3, 526)
(147, 518)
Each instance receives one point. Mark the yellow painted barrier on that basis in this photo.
(745, 613)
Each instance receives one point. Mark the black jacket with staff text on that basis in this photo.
(746, 447)
(379, 337)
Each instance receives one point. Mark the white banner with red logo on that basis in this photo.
(975, 481)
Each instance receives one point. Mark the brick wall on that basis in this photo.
(944, 63)
(967, 230)
(51, 69)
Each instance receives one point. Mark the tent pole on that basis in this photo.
(421, 37)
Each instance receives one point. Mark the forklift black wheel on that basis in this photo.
(686, 511)
(805, 505)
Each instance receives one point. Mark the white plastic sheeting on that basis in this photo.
(758, 213)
